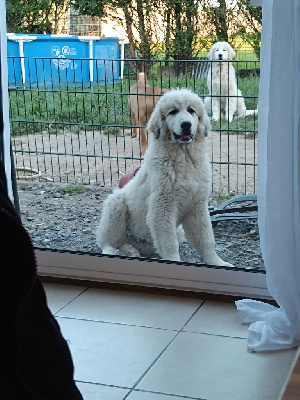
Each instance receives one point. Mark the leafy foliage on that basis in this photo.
(99, 108)
(35, 16)
(251, 30)
(178, 29)
(155, 29)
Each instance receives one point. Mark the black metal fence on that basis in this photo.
(78, 130)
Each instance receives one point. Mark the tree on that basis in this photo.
(176, 29)
(217, 17)
(133, 16)
(35, 16)
(181, 19)
(251, 29)
(231, 19)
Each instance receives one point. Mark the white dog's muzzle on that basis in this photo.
(185, 135)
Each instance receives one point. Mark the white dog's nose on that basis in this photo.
(220, 56)
(186, 127)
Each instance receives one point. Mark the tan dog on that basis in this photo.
(142, 100)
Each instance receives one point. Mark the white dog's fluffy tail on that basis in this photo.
(246, 113)
(251, 112)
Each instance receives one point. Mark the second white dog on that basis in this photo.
(225, 98)
(170, 191)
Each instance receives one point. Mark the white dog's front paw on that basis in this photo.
(181, 235)
(111, 251)
(217, 261)
(129, 250)
(229, 118)
(171, 257)
(227, 264)
(221, 263)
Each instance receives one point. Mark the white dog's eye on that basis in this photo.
(190, 110)
(173, 112)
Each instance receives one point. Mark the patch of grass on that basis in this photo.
(38, 110)
(72, 189)
(221, 195)
(241, 125)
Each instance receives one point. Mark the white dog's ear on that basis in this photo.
(154, 123)
(204, 126)
(231, 53)
(207, 126)
(210, 53)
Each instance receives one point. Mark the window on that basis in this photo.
(144, 272)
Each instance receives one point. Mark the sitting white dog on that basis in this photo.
(225, 99)
(169, 192)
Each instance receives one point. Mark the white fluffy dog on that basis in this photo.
(225, 98)
(170, 191)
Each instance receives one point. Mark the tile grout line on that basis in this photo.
(169, 394)
(102, 384)
(69, 302)
(163, 351)
(58, 317)
(216, 335)
(116, 323)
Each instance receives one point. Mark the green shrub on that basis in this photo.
(101, 107)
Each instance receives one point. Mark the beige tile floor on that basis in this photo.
(150, 347)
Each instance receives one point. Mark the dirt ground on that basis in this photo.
(63, 219)
(92, 157)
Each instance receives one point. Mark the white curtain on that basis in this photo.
(273, 328)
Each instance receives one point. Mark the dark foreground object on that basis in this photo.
(35, 359)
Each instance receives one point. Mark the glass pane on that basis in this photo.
(74, 137)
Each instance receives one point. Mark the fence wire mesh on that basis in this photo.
(76, 128)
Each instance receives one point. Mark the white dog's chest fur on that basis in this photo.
(179, 182)
(219, 79)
